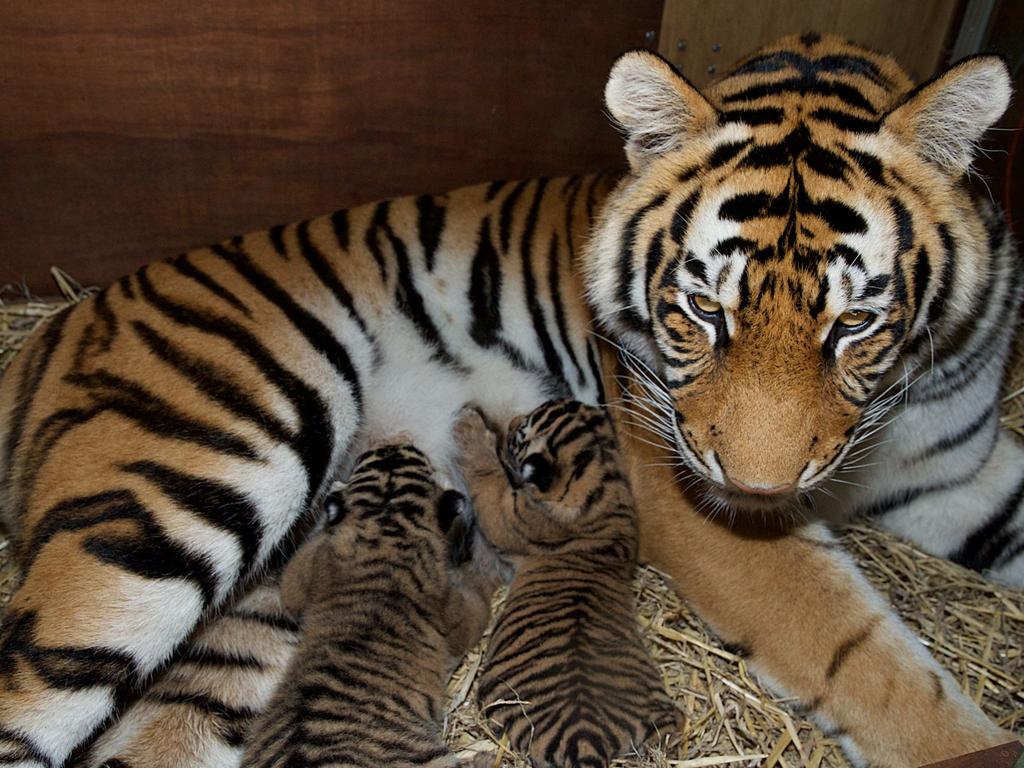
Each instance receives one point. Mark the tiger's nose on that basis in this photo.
(762, 490)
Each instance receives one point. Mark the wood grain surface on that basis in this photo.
(131, 130)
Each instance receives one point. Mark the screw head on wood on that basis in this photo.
(681, 45)
(716, 47)
(649, 35)
(711, 69)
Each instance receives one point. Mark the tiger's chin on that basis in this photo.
(738, 501)
(716, 500)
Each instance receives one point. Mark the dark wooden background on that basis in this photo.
(133, 129)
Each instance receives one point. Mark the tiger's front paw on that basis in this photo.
(472, 434)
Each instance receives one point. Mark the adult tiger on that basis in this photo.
(161, 438)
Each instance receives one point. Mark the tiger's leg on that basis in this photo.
(115, 582)
(812, 625)
(145, 493)
(197, 713)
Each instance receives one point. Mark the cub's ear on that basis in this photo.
(538, 470)
(654, 105)
(945, 118)
(450, 506)
(334, 506)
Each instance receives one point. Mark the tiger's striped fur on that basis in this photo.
(566, 676)
(197, 714)
(387, 610)
(159, 440)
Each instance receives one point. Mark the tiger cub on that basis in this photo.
(389, 598)
(198, 713)
(566, 676)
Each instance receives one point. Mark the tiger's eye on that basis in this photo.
(706, 305)
(857, 318)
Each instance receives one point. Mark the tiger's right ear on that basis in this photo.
(654, 105)
(944, 119)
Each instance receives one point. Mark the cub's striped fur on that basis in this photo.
(566, 676)
(197, 714)
(388, 605)
(779, 253)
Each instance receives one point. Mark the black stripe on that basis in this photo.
(551, 358)
(411, 304)
(217, 383)
(218, 504)
(154, 558)
(157, 415)
(938, 304)
(372, 239)
(149, 553)
(339, 225)
(276, 237)
(984, 546)
(682, 215)
(825, 162)
(844, 121)
(753, 205)
(845, 92)
(185, 267)
(843, 651)
(316, 436)
(493, 189)
(870, 165)
(922, 277)
(315, 332)
(753, 117)
(63, 667)
(845, 64)
(431, 224)
(484, 292)
(555, 291)
(595, 371)
(956, 439)
(26, 750)
(125, 284)
(627, 313)
(904, 226)
(212, 657)
(36, 364)
(326, 274)
(655, 256)
(723, 153)
(507, 210)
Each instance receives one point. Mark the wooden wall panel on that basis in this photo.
(133, 129)
(699, 36)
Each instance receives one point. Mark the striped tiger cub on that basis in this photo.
(565, 676)
(199, 711)
(389, 599)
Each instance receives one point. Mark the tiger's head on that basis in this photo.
(786, 247)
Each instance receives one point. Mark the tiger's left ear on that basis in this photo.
(655, 106)
(946, 117)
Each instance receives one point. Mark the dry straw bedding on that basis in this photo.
(973, 627)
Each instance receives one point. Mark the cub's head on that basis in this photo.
(575, 495)
(786, 247)
(561, 448)
(391, 510)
